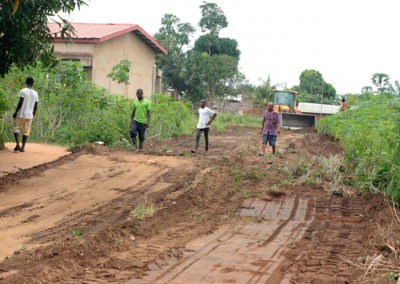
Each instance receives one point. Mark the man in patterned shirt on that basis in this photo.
(270, 128)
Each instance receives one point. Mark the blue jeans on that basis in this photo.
(269, 138)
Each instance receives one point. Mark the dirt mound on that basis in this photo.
(319, 144)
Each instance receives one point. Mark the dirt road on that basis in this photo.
(36, 154)
(225, 217)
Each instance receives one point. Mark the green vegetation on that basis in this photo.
(72, 111)
(317, 171)
(394, 275)
(264, 92)
(25, 36)
(239, 174)
(120, 73)
(210, 67)
(143, 210)
(312, 85)
(228, 119)
(175, 37)
(76, 233)
(370, 137)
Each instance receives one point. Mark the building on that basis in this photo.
(99, 47)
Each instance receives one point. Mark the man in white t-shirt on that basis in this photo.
(26, 110)
(206, 117)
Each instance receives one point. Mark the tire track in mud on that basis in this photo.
(271, 238)
(305, 240)
(242, 253)
(333, 238)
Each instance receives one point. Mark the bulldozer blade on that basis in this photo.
(295, 120)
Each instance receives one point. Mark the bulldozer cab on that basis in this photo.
(285, 101)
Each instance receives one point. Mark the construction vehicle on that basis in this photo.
(285, 102)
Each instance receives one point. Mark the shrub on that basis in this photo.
(74, 111)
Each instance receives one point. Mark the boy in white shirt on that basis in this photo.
(26, 110)
(206, 117)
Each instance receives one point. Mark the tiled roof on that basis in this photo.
(89, 32)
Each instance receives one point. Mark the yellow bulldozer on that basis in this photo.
(285, 102)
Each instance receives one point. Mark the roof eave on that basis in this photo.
(137, 29)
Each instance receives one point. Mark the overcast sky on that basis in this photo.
(346, 40)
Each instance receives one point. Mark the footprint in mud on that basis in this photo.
(116, 174)
(96, 176)
(30, 219)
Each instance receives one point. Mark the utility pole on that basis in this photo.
(322, 98)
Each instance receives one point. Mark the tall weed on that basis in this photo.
(370, 136)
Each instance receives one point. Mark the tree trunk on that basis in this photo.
(175, 94)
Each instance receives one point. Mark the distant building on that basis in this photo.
(101, 46)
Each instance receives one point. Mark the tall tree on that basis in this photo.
(215, 45)
(329, 91)
(231, 87)
(213, 18)
(24, 34)
(174, 36)
(212, 70)
(311, 82)
(213, 61)
(381, 82)
(312, 86)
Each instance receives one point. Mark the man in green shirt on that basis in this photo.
(140, 119)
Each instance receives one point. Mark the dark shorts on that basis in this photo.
(138, 128)
(269, 138)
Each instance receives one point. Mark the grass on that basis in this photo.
(195, 215)
(228, 119)
(393, 275)
(370, 136)
(76, 233)
(244, 193)
(143, 210)
(239, 174)
(317, 171)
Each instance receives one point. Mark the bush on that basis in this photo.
(3, 108)
(73, 111)
(370, 135)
